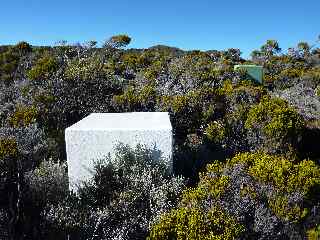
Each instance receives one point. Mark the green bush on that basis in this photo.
(276, 123)
(8, 147)
(237, 191)
(118, 41)
(23, 47)
(136, 100)
(317, 90)
(215, 131)
(192, 110)
(44, 68)
(215, 112)
(48, 183)
(194, 223)
(23, 116)
(8, 64)
(287, 177)
(314, 233)
(125, 196)
(312, 76)
(132, 61)
(281, 172)
(85, 68)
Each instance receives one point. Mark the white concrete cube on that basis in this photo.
(95, 136)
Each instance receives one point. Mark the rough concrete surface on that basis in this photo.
(96, 135)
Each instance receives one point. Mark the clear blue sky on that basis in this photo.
(198, 24)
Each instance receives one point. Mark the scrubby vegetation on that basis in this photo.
(246, 155)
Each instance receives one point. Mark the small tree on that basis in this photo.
(117, 41)
(304, 48)
(23, 47)
(270, 48)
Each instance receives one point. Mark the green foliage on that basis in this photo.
(89, 68)
(284, 210)
(246, 87)
(8, 148)
(23, 116)
(208, 187)
(132, 60)
(287, 177)
(278, 122)
(44, 68)
(214, 111)
(270, 48)
(136, 100)
(281, 172)
(215, 131)
(191, 221)
(194, 99)
(48, 183)
(196, 66)
(8, 64)
(118, 41)
(191, 109)
(152, 72)
(305, 48)
(194, 223)
(44, 98)
(127, 192)
(314, 233)
(317, 90)
(291, 73)
(23, 47)
(312, 75)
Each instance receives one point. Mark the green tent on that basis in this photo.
(254, 71)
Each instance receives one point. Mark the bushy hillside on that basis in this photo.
(246, 155)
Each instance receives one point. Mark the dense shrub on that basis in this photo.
(303, 98)
(22, 149)
(8, 147)
(194, 109)
(131, 100)
(43, 69)
(23, 47)
(314, 233)
(312, 77)
(215, 131)
(8, 65)
(48, 183)
(258, 196)
(193, 223)
(31, 143)
(76, 99)
(23, 116)
(125, 196)
(85, 69)
(317, 91)
(273, 126)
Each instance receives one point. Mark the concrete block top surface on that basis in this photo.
(123, 121)
(247, 66)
